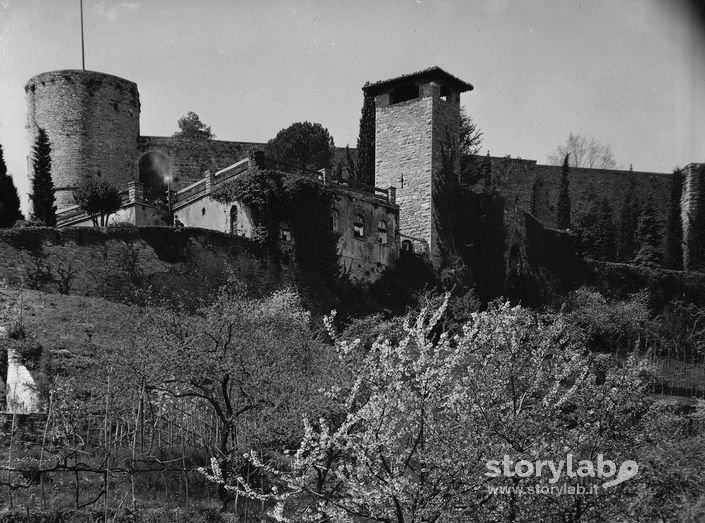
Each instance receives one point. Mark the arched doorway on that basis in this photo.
(154, 175)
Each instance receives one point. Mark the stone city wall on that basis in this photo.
(189, 159)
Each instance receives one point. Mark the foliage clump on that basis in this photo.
(191, 126)
(303, 145)
(627, 242)
(563, 204)
(98, 199)
(649, 237)
(674, 225)
(597, 233)
(467, 216)
(298, 199)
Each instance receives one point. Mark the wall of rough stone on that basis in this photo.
(116, 263)
(540, 262)
(446, 127)
(403, 159)
(189, 159)
(92, 122)
(365, 259)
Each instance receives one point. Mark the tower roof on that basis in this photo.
(430, 74)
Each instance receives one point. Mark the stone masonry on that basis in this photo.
(92, 122)
(417, 122)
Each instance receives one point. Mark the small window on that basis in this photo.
(382, 232)
(284, 232)
(404, 93)
(359, 226)
(334, 220)
(233, 218)
(447, 95)
(407, 246)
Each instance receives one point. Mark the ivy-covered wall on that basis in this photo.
(320, 221)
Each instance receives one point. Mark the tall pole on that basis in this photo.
(83, 51)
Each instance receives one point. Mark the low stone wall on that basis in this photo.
(118, 263)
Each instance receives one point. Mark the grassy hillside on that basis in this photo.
(65, 322)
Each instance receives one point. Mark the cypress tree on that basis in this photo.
(563, 204)
(649, 237)
(350, 168)
(605, 233)
(627, 243)
(597, 234)
(366, 143)
(338, 171)
(9, 200)
(586, 223)
(44, 210)
(674, 225)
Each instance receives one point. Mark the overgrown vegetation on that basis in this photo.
(627, 243)
(140, 399)
(597, 233)
(696, 261)
(304, 145)
(98, 199)
(469, 218)
(191, 126)
(298, 201)
(563, 203)
(674, 225)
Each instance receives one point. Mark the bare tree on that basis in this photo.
(584, 151)
(470, 134)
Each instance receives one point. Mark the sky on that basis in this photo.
(630, 73)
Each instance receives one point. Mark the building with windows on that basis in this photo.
(92, 121)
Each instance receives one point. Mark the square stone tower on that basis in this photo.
(417, 120)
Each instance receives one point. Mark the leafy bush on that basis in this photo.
(98, 200)
(302, 201)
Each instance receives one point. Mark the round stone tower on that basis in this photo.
(92, 122)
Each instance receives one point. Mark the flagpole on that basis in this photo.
(83, 52)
